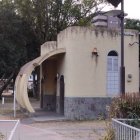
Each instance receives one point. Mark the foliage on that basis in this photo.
(2, 137)
(110, 134)
(10, 39)
(134, 120)
(132, 24)
(101, 116)
(15, 35)
(126, 106)
(26, 24)
(49, 17)
(135, 123)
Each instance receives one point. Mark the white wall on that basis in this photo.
(84, 75)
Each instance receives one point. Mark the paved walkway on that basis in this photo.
(32, 133)
(51, 126)
(90, 130)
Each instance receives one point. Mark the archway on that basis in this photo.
(22, 78)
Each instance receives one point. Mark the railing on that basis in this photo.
(9, 130)
(124, 131)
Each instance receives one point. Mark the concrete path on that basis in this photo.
(50, 126)
(64, 130)
(53, 128)
(31, 133)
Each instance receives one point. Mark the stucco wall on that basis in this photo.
(84, 74)
(48, 46)
(132, 66)
(60, 70)
(49, 77)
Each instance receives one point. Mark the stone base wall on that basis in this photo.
(59, 108)
(57, 104)
(85, 108)
(49, 102)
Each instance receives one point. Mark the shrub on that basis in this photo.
(110, 133)
(126, 106)
(1, 136)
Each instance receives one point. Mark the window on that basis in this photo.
(112, 74)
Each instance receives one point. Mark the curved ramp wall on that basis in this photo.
(22, 78)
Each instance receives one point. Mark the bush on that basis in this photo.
(126, 106)
(1, 136)
(110, 133)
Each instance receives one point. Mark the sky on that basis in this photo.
(131, 7)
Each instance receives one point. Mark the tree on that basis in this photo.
(26, 24)
(132, 24)
(15, 37)
(48, 17)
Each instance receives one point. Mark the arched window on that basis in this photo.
(112, 53)
(112, 61)
(113, 82)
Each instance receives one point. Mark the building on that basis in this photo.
(80, 72)
(109, 19)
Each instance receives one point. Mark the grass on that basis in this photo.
(110, 133)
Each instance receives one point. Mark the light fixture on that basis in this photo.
(95, 52)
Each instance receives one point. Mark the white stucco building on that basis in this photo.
(80, 72)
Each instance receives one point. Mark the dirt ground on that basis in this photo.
(69, 130)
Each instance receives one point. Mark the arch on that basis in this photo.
(22, 78)
(112, 53)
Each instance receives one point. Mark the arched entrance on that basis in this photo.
(113, 74)
(22, 78)
(49, 84)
